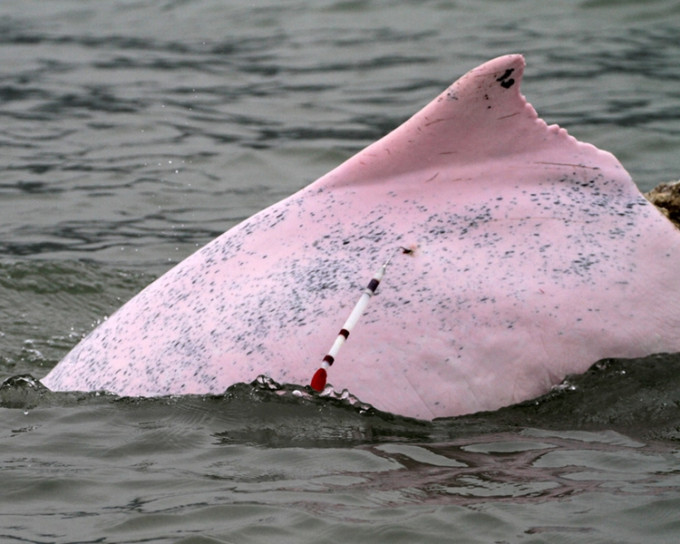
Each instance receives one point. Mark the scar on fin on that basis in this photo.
(505, 80)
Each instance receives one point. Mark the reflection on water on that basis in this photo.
(168, 468)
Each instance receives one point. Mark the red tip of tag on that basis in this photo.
(319, 380)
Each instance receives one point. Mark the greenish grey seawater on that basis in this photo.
(134, 132)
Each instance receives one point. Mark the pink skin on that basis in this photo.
(534, 256)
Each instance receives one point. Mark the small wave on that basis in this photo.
(638, 397)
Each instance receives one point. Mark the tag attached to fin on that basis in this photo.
(319, 380)
(320, 376)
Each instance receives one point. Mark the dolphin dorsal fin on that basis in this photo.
(481, 118)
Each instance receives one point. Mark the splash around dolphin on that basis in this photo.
(531, 256)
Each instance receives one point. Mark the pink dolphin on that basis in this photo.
(534, 255)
